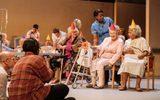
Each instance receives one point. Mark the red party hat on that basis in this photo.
(112, 27)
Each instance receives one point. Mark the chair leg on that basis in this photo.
(148, 74)
(129, 81)
(113, 75)
(148, 82)
(153, 80)
(153, 72)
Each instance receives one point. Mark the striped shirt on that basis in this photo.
(3, 83)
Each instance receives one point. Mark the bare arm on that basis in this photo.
(95, 39)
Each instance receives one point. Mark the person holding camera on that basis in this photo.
(30, 75)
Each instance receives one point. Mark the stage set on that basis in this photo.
(79, 50)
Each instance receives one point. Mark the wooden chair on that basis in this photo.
(149, 72)
(113, 69)
(113, 75)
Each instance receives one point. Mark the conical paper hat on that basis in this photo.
(48, 38)
(112, 27)
(133, 24)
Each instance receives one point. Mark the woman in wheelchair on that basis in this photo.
(71, 48)
(136, 48)
(109, 52)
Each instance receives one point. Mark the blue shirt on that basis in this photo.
(101, 29)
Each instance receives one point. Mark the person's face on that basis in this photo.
(74, 34)
(3, 38)
(131, 34)
(34, 30)
(57, 34)
(11, 61)
(113, 35)
(119, 32)
(100, 17)
(21, 42)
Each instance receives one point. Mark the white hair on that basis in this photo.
(117, 27)
(77, 23)
(137, 30)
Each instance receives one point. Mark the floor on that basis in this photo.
(82, 93)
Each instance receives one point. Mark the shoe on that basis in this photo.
(70, 98)
(69, 82)
(97, 87)
(89, 86)
(139, 90)
(122, 88)
(118, 82)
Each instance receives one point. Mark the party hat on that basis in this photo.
(48, 38)
(133, 25)
(72, 26)
(112, 27)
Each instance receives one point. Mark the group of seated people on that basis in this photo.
(133, 52)
(32, 71)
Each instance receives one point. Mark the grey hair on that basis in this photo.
(77, 23)
(137, 30)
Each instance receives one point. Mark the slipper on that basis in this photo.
(122, 88)
(139, 90)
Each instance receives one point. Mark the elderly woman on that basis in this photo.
(136, 48)
(109, 52)
(7, 61)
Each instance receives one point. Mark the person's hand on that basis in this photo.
(129, 51)
(62, 47)
(47, 59)
(141, 56)
(109, 51)
(95, 46)
(109, 64)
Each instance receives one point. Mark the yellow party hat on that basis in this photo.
(133, 25)
(48, 38)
